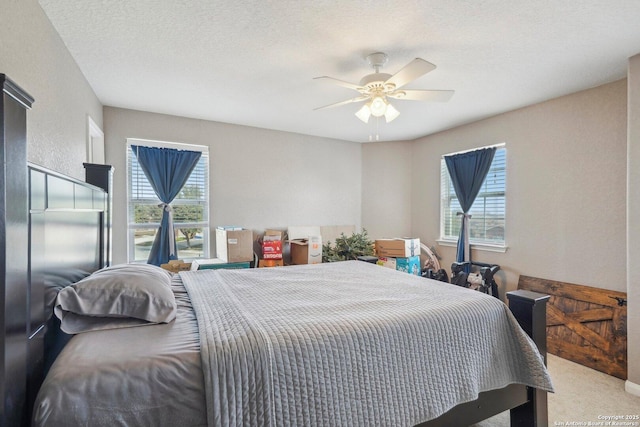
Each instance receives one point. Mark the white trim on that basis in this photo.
(500, 145)
(167, 144)
(178, 146)
(95, 137)
(479, 246)
(632, 388)
(445, 240)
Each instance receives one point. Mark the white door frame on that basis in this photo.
(95, 142)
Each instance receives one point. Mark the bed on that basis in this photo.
(345, 343)
(348, 343)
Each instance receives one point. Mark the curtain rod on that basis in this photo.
(501, 144)
(167, 144)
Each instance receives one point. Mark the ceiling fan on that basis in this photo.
(376, 88)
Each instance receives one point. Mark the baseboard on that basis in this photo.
(632, 388)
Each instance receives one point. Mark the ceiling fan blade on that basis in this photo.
(340, 82)
(414, 69)
(423, 95)
(348, 101)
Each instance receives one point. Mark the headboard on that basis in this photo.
(67, 231)
(67, 234)
(54, 230)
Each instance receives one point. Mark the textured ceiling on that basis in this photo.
(253, 62)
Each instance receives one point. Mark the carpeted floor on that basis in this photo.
(583, 397)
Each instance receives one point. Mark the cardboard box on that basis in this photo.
(234, 244)
(263, 263)
(409, 265)
(398, 248)
(306, 251)
(387, 262)
(272, 249)
(272, 244)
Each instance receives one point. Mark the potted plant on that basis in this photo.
(348, 247)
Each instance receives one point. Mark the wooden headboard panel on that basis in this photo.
(67, 230)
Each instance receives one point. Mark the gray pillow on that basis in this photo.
(117, 297)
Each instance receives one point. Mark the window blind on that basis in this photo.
(190, 207)
(487, 224)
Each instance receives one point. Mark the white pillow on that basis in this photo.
(120, 296)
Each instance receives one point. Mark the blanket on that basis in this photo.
(350, 344)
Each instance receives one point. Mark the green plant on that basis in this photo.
(348, 247)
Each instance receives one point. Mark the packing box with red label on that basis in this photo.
(398, 248)
(272, 249)
(234, 244)
(272, 244)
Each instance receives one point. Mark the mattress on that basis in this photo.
(347, 343)
(142, 376)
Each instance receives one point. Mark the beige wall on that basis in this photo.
(568, 192)
(633, 227)
(258, 178)
(386, 189)
(33, 55)
(566, 199)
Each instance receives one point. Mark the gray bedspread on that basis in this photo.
(350, 344)
(147, 376)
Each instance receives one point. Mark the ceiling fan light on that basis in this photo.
(378, 106)
(364, 113)
(391, 113)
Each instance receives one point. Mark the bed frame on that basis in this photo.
(67, 227)
(53, 232)
(66, 224)
(527, 405)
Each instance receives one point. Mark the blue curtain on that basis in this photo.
(468, 171)
(167, 171)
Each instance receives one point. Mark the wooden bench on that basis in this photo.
(586, 325)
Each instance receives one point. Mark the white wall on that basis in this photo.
(33, 56)
(258, 178)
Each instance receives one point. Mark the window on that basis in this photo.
(486, 226)
(190, 207)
